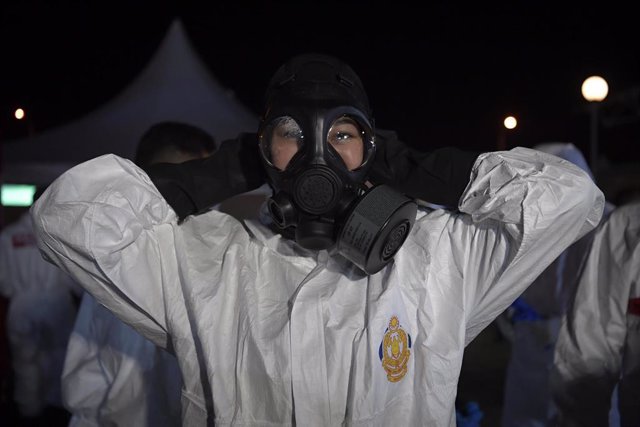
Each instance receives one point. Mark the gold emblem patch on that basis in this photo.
(395, 350)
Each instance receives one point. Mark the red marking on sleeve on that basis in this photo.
(22, 240)
(634, 306)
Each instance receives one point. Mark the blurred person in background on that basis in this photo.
(41, 308)
(112, 374)
(532, 322)
(596, 375)
(173, 142)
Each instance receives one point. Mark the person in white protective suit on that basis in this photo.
(112, 374)
(534, 322)
(41, 310)
(356, 306)
(598, 349)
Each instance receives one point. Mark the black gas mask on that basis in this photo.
(317, 145)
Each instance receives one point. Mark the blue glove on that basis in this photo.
(470, 417)
(523, 311)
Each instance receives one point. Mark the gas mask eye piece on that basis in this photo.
(280, 141)
(350, 139)
(346, 139)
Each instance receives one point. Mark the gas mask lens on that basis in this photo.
(280, 141)
(347, 139)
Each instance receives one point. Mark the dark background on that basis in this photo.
(440, 73)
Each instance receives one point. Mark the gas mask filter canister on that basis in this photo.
(376, 228)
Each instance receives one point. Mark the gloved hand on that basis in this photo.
(470, 416)
(437, 177)
(195, 186)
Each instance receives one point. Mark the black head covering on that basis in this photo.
(317, 78)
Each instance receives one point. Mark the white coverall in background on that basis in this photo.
(598, 347)
(39, 319)
(114, 376)
(268, 333)
(527, 400)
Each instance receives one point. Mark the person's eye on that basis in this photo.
(342, 137)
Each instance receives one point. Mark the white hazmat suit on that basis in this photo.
(114, 376)
(39, 319)
(598, 348)
(527, 398)
(267, 333)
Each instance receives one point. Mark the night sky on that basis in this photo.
(441, 74)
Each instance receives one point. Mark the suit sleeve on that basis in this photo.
(520, 210)
(104, 222)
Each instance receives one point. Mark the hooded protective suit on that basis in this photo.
(39, 319)
(535, 321)
(267, 332)
(598, 347)
(114, 376)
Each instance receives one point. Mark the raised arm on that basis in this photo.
(103, 222)
(438, 177)
(193, 187)
(521, 209)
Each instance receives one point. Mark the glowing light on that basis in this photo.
(595, 88)
(17, 194)
(510, 122)
(19, 114)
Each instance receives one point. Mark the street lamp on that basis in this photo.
(594, 89)
(22, 116)
(509, 123)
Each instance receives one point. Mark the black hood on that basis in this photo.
(316, 78)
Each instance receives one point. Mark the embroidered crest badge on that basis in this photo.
(395, 350)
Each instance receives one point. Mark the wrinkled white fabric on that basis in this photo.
(114, 376)
(550, 293)
(39, 317)
(599, 343)
(527, 400)
(267, 333)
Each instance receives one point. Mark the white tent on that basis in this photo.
(175, 85)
